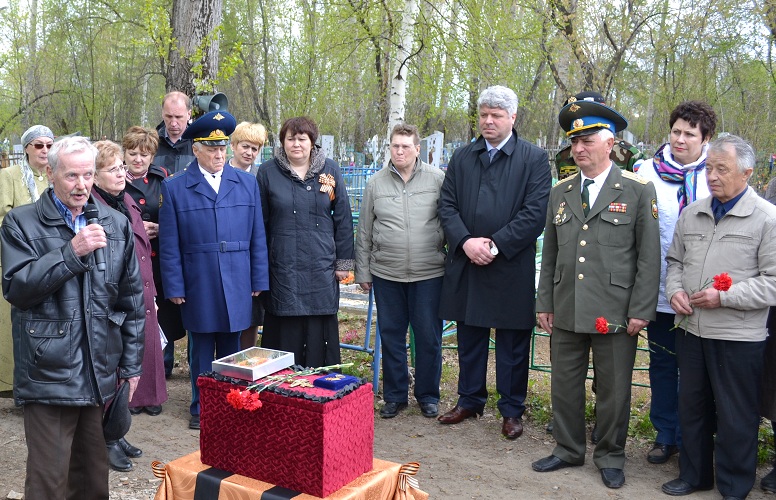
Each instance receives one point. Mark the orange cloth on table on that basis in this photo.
(381, 483)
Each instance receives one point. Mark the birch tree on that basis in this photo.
(400, 67)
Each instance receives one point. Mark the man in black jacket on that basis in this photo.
(78, 330)
(174, 152)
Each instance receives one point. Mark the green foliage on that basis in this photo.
(765, 440)
(538, 403)
(493, 397)
(640, 426)
(97, 67)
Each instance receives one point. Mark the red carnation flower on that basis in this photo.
(252, 401)
(723, 282)
(602, 325)
(235, 399)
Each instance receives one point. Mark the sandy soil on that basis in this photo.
(466, 461)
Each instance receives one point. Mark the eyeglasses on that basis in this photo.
(40, 145)
(402, 147)
(115, 170)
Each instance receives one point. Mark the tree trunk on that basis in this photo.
(398, 92)
(194, 56)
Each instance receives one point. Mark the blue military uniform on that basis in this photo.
(213, 250)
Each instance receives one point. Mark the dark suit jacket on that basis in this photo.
(213, 248)
(506, 201)
(606, 264)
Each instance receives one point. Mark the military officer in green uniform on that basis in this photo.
(624, 154)
(601, 258)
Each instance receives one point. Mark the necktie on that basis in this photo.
(492, 154)
(586, 196)
(719, 212)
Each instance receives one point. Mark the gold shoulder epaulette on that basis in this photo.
(567, 179)
(634, 177)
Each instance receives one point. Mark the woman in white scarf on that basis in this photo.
(20, 185)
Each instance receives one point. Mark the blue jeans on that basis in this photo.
(204, 348)
(664, 379)
(398, 306)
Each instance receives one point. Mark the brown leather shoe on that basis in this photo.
(457, 415)
(512, 428)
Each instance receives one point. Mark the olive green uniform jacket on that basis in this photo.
(606, 264)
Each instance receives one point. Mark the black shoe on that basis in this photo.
(728, 497)
(768, 483)
(390, 410)
(136, 411)
(129, 450)
(117, 459)
(679, 487)
(594, 437)
(194, 422)
(660, 453)
(429, 410)
(551, 463)
(613, 478)
(153, 410)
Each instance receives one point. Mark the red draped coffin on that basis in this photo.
(311, 440)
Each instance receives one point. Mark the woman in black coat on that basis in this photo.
(144, 185)
(309, 229)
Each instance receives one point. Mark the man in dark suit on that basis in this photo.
(492, 208)
(213, 248)
(601, 258)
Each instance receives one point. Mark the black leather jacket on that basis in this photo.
(78, 328)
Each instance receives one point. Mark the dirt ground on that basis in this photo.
(466, 461)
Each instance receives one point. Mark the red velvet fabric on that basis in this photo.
(307, 446)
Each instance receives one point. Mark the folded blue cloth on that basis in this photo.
(335, 381)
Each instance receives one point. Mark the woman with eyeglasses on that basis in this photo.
(109, 184)
(247, 141)
(144, 185)
(309, 229)
(19, 185)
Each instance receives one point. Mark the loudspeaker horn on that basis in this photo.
(214, 102)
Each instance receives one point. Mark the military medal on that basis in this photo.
(560, 217)
(618, 207)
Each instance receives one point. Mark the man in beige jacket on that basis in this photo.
(400, 249)
(721, 334)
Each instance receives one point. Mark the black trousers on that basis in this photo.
(512, 350)
(66, 454)
(719, 391)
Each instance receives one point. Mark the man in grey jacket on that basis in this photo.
(79, 327)
(722, 319)
(400, 248)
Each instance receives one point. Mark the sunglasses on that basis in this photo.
(38, 145)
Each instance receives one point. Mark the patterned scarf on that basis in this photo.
(317, 160)
(29, 180)
(669, 171)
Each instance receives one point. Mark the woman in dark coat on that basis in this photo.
(109, 184)
(144, 185)
(309, 229)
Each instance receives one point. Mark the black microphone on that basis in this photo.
(93, 217)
